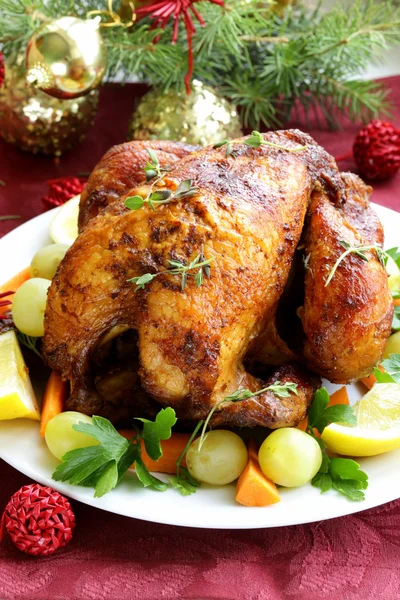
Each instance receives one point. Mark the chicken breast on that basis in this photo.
(121, 169)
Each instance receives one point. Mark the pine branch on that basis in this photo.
(268, 64)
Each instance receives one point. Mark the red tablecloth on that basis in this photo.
(115, 558)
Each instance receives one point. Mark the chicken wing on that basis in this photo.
(121, 169)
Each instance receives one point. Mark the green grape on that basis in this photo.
(29, 304)
(290, 457)
(392, 345)
(61, 438)
(221, 459)
(46, 260)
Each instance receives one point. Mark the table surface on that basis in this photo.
(112, 557)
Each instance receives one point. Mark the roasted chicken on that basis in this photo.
(183, 341)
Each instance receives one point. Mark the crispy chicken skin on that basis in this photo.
(347, 322)
(191, 343)
(248, 214)
(121, 169)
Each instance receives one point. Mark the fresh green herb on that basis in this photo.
(154, 199)
(396, 319)
(281, 390)
(358, 251)
(382, 377)
(183, 481)
(342, 474)
(29, 342)
(199, 264)
(155, 431)
(256, 140)
(103, 466)
(229, 150)
(392, 367)
(320, 414)
(152, 168)
(394, 253)
(9, 217)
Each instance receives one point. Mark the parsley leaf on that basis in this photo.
(383, 377)
(103, 466)
(396, 319)
(394, 253)
(155, 431)
(321, 415)
(392, 366)
(184, 482)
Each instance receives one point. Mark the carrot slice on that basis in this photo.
(12, 285)
(339, 397)
(172, 449)
(55, 395)
(396, 301)
(371, 379)
(253, 488)
(303, 424)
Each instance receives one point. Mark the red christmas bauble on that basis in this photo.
(39, 520)
(2, 72)
(376, 150)
(63, 189)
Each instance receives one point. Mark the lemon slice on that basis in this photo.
(64, 227)
(378, 424)
(17, 398)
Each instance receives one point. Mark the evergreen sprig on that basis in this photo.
(269, 65)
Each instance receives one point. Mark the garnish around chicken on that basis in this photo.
(154, 199)
(200, 265)
(358, 251)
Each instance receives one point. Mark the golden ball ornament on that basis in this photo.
(36, 122)
(202, 117)
(66, 58)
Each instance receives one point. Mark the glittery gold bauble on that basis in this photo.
(202, 118)
(34, 121)
(66, 58)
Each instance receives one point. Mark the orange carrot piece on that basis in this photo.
(172, 449)
(303, 424)
(371, 379)
(339, 397)
(253, 488)
(396, 301)
(55, 395)
(12, 285)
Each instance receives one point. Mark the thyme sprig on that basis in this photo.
(29, 342)
(200, 264)
(154, 199)
(281, 390)
(256, 140)
(358, 251)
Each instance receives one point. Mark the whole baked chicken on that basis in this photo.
(214, 259)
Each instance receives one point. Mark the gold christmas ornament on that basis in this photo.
(66, 58)
(202, 118)
(34, 121)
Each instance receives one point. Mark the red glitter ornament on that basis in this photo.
(162, 10)
(63, 189)
(2, 72)
(39, 520)
(376, 150)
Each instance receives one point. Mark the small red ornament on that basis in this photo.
(39, 520)
(63, 189)
(162, 10)
(376, 150)
(2, 72)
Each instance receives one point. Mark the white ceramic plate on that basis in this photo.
(22, 447)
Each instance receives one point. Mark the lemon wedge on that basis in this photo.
(64, 227)
(378, 424)
(17, 398)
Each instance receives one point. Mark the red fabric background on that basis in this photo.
(115, 558)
